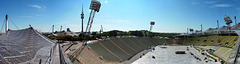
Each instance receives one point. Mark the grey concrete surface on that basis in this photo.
(168, 56)
(137, 56)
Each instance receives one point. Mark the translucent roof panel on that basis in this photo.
(19, 46)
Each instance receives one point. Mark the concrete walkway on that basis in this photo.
(56, 57)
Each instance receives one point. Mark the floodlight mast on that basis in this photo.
(60, 28)
(217, 27)
(235, 20)
(95, 6)
(151, 23)
(228, 21)
(101, 30)
(52, 29)
(201, 29)
(88, 21)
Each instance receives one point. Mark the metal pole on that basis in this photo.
(201, 29)
(150, 28)
(53, 29)
(82, 17)
(82, 26)
(217, 27)
(61, 29)
(149, 34)
(235, 20)
(89, 20)
(91, 23)
(217, 24)
(6, 23)
(101, 29)
(229, 30)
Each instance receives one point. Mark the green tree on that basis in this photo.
(113, 33)
(52, 37)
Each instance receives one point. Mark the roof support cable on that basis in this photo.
(13, 23)
(50, 30)
(2, 26)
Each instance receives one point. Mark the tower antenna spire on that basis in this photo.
(82, 17)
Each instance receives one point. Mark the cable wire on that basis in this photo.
(13, 23)
(2, 26)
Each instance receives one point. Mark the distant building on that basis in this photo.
(65, 33)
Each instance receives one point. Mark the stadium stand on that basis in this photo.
(236, 27)
(122, 49)
(223, 52)
(222, 44)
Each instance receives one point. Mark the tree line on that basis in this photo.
(112, 33)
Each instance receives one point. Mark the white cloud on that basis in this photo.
(36, 6)
(211, 2)
(89, 10)
(106, 1)
(222, 5)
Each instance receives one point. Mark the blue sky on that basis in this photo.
(169, 15)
